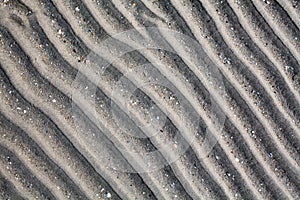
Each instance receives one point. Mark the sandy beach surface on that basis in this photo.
(149, 99)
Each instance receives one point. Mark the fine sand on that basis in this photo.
(147, 99)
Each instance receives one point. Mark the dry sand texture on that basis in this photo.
(149, 99)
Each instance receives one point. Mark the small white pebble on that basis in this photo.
(108, 195)
(270, 155)
(59, 32)
(54, 100)
(77, 9)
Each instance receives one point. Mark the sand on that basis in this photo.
(149, 99)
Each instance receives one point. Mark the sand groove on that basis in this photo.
(236, 79)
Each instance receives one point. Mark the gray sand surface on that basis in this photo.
(149, 99)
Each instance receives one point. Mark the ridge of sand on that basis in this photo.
(58, 144)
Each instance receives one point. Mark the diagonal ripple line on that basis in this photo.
(149, 99)
(136, 42)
